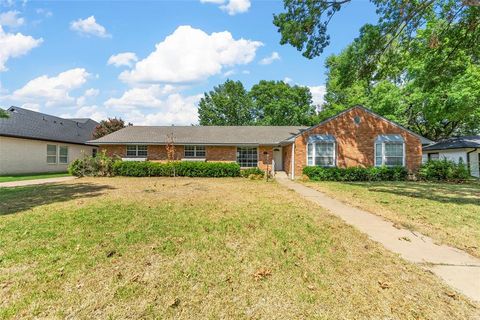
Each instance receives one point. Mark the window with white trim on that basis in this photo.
(389, 151)
(247, 157)
(321, 151)
(194, 152)
(51, 154)
(137, 151)
(63, 154)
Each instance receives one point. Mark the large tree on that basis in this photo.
(226, 105)
(3, 114)
(418, 65)
(108, 126)
(304, 25)
(431, 85)
(276, 103)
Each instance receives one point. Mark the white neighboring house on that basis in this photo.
(33, 142)
(465, 149)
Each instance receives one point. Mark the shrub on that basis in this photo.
(99, 166)
(179, 168)
(252, 171)
(356, 174)
(443, 170)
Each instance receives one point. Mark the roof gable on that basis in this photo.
(422, 139)
(24, 123)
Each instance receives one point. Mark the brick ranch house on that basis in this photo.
(354, 137)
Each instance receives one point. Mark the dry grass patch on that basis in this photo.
(199, 248)
(449, 213)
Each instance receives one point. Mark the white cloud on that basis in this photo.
(165, 106)
(93, 112)
(229, 73)
(270, 59)
(31, 106)
(236, 6)
(288, 80)
(89, 93)
(89, 26)
(318, 93)
(45, 12)
(148, 97)
(14, 45)
(232, 7)
(51, 90)
(11, 19)
(189, 55)
(122, 59)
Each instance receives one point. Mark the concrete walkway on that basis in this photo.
(35, 181)
(457, 268)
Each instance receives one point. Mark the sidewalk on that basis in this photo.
(457, 268)
(33, 182)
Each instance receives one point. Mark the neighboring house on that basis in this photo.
(354, 137)
(457, 149)
(32, 142)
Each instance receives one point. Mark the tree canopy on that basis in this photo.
(276, 103)
(108, 126)
(431, 85)
(272, 103)
(226, 104)
(418, 65)
(3, 114)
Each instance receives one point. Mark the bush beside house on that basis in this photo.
(176, 168)
(356, 174)
(443, 170)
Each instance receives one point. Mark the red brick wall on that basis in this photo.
(219, 153)
(155, 152)
(287, 158)
(355, 143)
(265, 160)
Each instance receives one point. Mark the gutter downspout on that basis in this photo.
(293, 161)
(468, 160)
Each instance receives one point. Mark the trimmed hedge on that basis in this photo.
(443, 170)
(177, 168)
(255, 171)
(356, 174)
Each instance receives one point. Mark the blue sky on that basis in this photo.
(150, 62)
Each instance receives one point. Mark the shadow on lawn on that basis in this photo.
(443, 193)
(16, 199)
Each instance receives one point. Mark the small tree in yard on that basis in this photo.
(108, 126)
(170, 147)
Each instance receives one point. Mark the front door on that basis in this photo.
(277, 157)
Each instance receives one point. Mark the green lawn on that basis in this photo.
(183, 248)
(449, 213)
(32, 176)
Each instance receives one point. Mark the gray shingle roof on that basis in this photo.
(214, 135)
(25, 123)
(455, 143)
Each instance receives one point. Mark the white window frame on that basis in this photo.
(60, 155)
(136, 147)
(51, 155)
(247, 147)
(313, 144)
(195, 151)
(383, 154)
